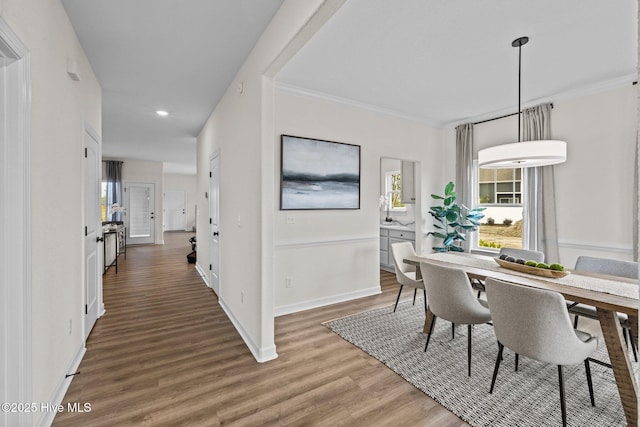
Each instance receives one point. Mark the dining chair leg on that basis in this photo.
(424, 291)
(624, 335)
(563, 406)
(634, 346)
(517, 361)
(589, 383)
(433, 322)
(453, 330)
(575, 322)
(495, 370)
(398, 299)
(469, 349)
(415, 291)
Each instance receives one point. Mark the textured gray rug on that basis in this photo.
(528, 397)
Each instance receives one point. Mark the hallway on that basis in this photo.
(165, 353)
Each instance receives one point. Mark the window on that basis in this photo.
(500, 192)
(103, 200)
(393, 190)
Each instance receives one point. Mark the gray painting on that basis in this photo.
(319, 174)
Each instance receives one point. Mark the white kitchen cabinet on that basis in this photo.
(387, 238)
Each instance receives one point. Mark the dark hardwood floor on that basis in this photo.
(165, 354)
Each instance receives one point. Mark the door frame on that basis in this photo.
(88, 131)
(216, 154)
(15, 226)
(127, 212)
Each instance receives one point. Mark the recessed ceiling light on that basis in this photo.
(162, 113)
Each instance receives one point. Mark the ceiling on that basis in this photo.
(437, 61)
(178, 56)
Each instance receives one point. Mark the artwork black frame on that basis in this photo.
(317, 174)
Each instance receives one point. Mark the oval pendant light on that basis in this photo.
(522, 154)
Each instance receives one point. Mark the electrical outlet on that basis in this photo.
(239, 221)
(288, 282)
(291, 219)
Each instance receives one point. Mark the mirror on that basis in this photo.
(397, 191)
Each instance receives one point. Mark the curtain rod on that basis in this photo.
(515, 114)
(497, 118)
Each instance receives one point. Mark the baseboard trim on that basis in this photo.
(321, 302)
(261, 354)
(202, 274)
(62, 388)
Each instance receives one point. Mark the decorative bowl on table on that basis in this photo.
(537, 271)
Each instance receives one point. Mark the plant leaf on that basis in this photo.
(448, 189)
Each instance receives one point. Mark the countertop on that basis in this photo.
(396, 226)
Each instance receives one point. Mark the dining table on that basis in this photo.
(610, 295)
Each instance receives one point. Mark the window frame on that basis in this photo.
(475, 239)
(388, 191)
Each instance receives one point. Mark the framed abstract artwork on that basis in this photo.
(318, 174)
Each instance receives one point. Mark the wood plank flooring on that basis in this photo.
(166, 354)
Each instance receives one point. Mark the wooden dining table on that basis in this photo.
(609, 294)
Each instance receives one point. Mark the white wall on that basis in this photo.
(60, 107)
(141, 171)
(594, 187)
(188, 184)
(334, 255)
(240, 128)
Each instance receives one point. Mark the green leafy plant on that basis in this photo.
(453, 220)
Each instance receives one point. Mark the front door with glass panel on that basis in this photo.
(140, 213)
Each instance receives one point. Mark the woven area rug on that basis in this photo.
(529, 397)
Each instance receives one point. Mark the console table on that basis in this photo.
(119, 246)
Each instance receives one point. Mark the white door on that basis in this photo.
(175, 210)
(92, 232)
(140, 213)
(214, 221)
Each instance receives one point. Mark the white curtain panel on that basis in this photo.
(540, 231)
(464, 183)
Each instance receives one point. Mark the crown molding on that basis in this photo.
(322, 96)
(571, 93)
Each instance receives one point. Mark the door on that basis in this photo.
(140, 213)
(214, 223)
(175, 205)
(92, 232)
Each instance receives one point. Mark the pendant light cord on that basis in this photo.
(519, 90)
(518, 43)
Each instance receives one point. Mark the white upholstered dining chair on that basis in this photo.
(405, 273)
(535, 323)
(611, 267)
(451, 298)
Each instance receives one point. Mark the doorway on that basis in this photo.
(214, 223)
(15, 225)
(92, 231)
(140, 213)
(175, 210)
